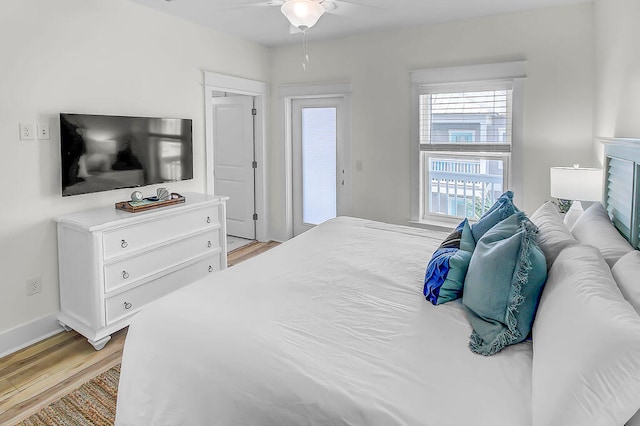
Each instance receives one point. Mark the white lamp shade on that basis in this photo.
(576, 183)
(302, 14)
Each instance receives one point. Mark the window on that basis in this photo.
(465, 138)
(465, 142)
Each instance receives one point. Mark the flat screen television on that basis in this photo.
(105, 152)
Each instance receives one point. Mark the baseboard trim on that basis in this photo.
(27, 334)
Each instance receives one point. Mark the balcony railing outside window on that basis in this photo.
(463, 188)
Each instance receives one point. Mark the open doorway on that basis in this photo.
(233, 160)
(234, 109)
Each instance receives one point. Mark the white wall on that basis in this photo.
(557, 44)
(617, 113)
(89, 56)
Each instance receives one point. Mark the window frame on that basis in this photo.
(460, 150)
(470, 77)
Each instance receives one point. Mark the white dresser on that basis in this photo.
(112, 262)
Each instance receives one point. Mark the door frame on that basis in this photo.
(215, 82)
(287, 94)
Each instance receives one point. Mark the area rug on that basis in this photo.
(93, 403)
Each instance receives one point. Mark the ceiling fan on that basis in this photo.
(304, 14)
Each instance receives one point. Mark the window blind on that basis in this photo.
(472, 120)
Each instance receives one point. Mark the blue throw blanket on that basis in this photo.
(436, 273)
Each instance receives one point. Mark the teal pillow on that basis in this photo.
(501, 209)
(452, 286)
(444, 277)
(503, 285)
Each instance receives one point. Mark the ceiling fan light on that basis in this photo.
(302, 14)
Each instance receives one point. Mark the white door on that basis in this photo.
(318, 152)
(233, 157)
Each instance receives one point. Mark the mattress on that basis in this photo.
(329, 328)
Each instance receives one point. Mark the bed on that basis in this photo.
(332, 328)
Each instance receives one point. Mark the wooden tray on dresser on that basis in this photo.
(148, 204)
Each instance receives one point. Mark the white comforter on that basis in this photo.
(330, 328)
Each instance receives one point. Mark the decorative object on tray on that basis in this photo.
(149, 203)
(137, 196)
(163, 194)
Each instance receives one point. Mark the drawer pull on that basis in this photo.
(124, 244)
(208, 219)
(208, 244)
(127, 305)
(125, 274)
(210, 268)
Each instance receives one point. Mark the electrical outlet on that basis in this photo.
(27, 131)
(34, 285)
(43, 130)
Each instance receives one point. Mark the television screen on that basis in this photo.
(104, 152)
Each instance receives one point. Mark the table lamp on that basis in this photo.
(575, 184)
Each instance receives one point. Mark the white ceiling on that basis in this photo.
(258, 22)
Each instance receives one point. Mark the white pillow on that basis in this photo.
(586, 346)
(553, 235)
(626, 272)
(594, 227)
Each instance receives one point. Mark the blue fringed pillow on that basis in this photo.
(447, 268)
(501, 209)
(503, 285)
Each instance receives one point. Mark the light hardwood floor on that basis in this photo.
(38, 375)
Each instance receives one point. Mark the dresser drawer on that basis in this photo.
(156, 260)
(125, 304)
(131, 238)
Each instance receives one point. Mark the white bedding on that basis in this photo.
(328, 328)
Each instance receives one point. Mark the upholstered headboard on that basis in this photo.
(622, 186)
